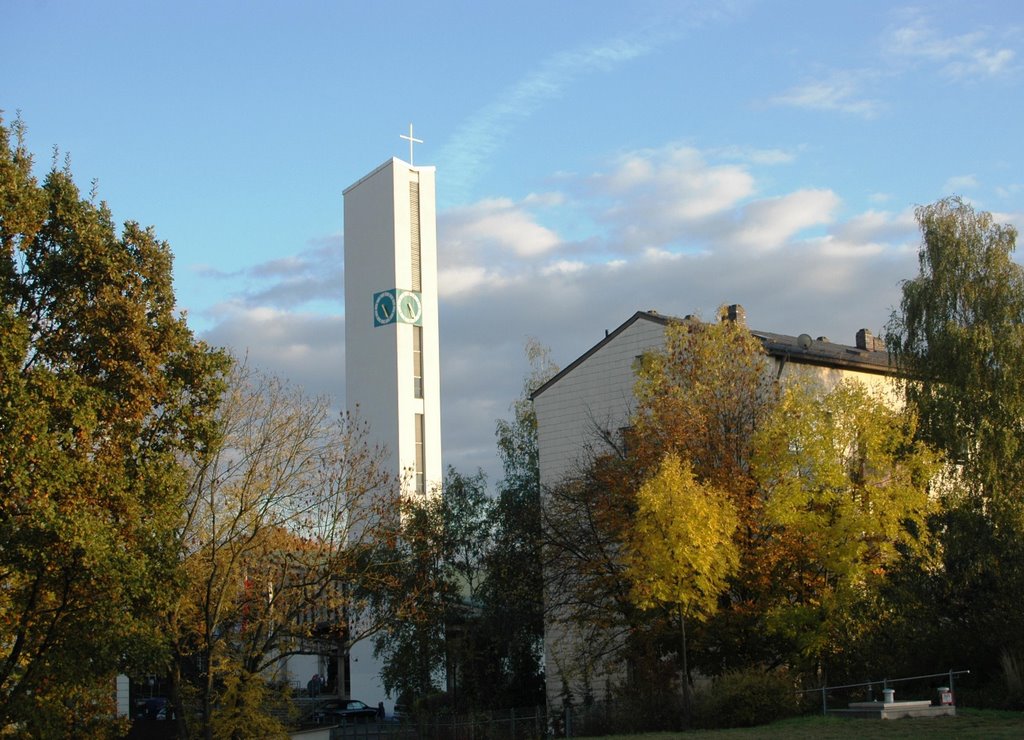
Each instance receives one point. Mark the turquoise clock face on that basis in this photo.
(384, 308)
(410, 308)
(397, 306)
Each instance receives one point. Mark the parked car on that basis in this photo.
(345, 710)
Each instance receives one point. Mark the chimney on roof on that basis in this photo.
(735, 312)
(868, 341)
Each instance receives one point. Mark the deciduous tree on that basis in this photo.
(284, 549)
(703, 396)
(103, 392)
(847, 496)
(512, 594)
(958, 335)
(680, 549)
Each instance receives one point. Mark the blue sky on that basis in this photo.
(593, 159)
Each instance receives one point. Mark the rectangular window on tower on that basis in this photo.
(414, 234)
(417, 361)
(421, 476)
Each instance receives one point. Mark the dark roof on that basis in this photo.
(821, 353)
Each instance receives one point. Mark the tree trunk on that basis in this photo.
(687, 702)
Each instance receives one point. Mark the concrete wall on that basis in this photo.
(379, 359)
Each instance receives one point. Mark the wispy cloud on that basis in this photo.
(974, 54)
(841, 91)
(474, 141)
(756, 156)
(313, 275)
(960, 183)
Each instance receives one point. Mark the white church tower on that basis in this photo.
(391, 332)
(392, 370)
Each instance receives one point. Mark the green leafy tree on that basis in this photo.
(482, 628)
(592, 619)
(412, 648)
(512, 594)
(438, 556)
(847, 490)
(680, 550)
(103, 392)
(958, 335)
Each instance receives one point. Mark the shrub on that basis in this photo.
(745, 698)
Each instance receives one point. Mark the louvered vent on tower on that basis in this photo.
(414, 233)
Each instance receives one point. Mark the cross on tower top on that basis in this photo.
(412, 140)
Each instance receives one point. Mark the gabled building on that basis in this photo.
(592, 400)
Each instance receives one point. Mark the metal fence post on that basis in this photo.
(824, 701)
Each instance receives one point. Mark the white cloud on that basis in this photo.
(839, 92)
(769, 223)
(460, 280)
(304, 348)
(544, 200)
(959, 183)
(656, 197)
(831, 246)
(959, 56)
(681, 181)
(497, 226)
(877, 226)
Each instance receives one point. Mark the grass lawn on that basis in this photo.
(969, 723)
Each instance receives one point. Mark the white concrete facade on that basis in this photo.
(392, 367)
(382, 224)
(594, 395)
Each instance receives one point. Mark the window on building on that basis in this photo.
(421, 476)
(417, 361)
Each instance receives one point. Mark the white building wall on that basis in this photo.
(378, 359)
(884, 386)
(597, 394)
